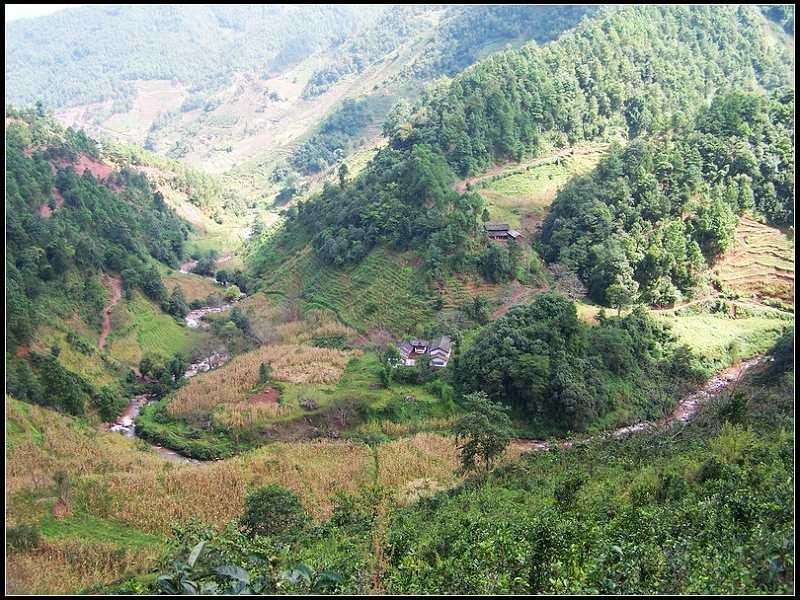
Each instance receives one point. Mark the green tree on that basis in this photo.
(272, 510)
(483, 433)
(264, 373)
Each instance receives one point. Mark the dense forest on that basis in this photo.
(615, 70)
(403, 199)
(561, 374)
(63, 230)
(651, 218)
(638, 68)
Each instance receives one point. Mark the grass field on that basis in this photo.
(194, 287)
(721, 340)
(139, 328)
(96, 366)
(519, 195)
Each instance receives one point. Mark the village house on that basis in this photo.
(501, 231)
(438, 349)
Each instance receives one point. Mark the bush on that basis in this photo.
(566, 490)
(272, 510)
(22, 537)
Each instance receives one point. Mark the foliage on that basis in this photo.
(333, 140)
(628, 516)
(22, 537)
(587, 82)
(650, 219)
(58, 258)
(272, 510)
(483, 433)
(556, 371)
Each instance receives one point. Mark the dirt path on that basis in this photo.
(519, 291)
(116, 293)
(461, 185)
(682, 413)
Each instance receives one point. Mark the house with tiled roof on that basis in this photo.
(437, 349)
(501, 231)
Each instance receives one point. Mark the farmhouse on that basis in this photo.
(501, 231)
(438, 349)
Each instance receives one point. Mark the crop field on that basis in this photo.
(232, 384)
(386, 286)
(760, 265)
(124, 498)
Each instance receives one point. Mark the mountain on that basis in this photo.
(405, 299)
(613, 76)
(250, 85)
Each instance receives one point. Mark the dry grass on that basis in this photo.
(44, 442)
(394, 429)
(315, 470)
(194, 287)
(424, 456)
(64, 566)
(316, 323)
(244, 416)
(232, 384)
(214, 493)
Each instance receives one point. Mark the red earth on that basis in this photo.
(268, 396)
(116, 293)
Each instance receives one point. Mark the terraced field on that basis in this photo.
(761, 264)
(139, 328)
(384, 291)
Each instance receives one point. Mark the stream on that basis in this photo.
(125, 424)
(683, 412)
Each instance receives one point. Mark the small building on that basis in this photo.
(501, 232)
(438, 349)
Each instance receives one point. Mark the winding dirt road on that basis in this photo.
(116, 293)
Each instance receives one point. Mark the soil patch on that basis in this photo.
(265, 397)
(116, 293)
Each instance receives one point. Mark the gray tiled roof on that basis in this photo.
(441, 343)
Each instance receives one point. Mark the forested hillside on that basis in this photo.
(648, 222)
(640, 70)
(71, 222)
(206, 46)
(65, 226)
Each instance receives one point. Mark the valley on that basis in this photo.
(220, 257)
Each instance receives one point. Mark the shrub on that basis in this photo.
(272, 510)
(567, 487)
(22, 537)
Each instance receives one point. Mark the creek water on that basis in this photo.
(125, 424)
